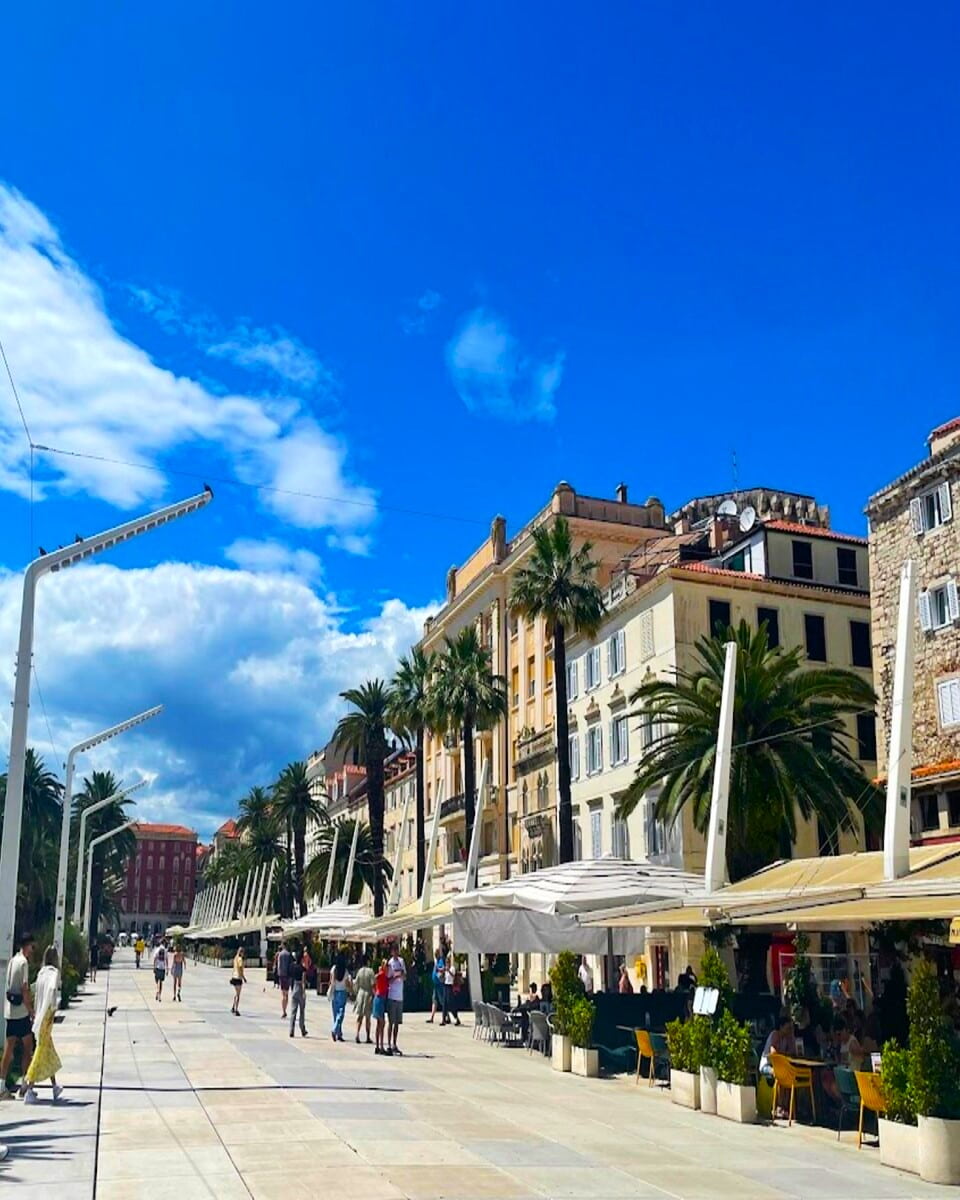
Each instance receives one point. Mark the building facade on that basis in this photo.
(160, 881)
(913, 518)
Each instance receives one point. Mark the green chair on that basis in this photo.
(849, 1094)
(661, 1055)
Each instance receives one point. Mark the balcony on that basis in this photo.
(532, 750)
(452, 807)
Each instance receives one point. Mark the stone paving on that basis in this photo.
(196, 1103)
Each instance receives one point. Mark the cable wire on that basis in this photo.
(16, 394)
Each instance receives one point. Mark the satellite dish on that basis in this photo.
(748, 518)
(727, 509)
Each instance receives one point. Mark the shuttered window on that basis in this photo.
(948, 702)
(931, 509)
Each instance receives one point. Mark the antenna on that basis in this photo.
(735, 471)
(728, 508)
(748, 518)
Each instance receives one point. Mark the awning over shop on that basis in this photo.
(538, 912)
(408, 917)
(231, 929)
(328, 920)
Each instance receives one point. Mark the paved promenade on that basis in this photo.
(197, 1104)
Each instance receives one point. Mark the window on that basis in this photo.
(149, 862)
(163, 863)
(719, 616)
(531, 677)
(866, 737)
(619, 741)
(574, 743)
(802, 560)
(953, 808)
(816, 635)
(593, 668)
(932, 509)
(646, 730)
(847, 567)
(596, 831)
(577, 837)
(929, 812)
(647, 647)
(616, 654)
(514, 625)
(594, 749)
(771, 618)
(656, 832)
(515, 686)
(940, 606)
(860, 653)
(619, 837)
(572, 683)
(948, 702)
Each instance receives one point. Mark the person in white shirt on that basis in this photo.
(160, 968)
(18, 1011)
(45, 1062)
(586, 976)
(449, 996)
(396, 975)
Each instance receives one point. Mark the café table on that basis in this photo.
(816, 1067)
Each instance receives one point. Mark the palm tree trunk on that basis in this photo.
(469, 784)
(374, 765)
(565, 814)
(420, 818)
(96, 888)
(288, 875)
(300, 853)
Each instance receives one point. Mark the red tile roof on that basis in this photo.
(709, 569)
(814, 531)
(148, 830)
(946, 427)
(228, 828)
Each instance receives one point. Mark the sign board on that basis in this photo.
(955, 932)
(705, 1001)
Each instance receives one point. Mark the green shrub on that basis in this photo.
(714, 974)
(799, 989)
(690, 1044)
(580, 1022)
(933, 1069)
(895, 1083)
(566, 990)
(76, 960)
(730, 1050)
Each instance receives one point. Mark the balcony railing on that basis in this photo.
(449, 808)
(534, 748)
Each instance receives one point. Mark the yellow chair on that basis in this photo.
(871, 1098)
(645, 1050)
(789, 1077)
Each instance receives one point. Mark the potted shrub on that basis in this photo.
(583, 1059)
(566, 989)
(730, 1052)
(933, 1079)
(684, 1064)
(713, 974)
(899, 1136)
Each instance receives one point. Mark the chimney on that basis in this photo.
(621, 493)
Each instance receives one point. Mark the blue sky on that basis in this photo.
(419, 260)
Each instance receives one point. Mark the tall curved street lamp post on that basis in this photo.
(82, 840)
(47, 564)
(104, 837)
(60, 913)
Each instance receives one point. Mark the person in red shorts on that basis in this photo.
(381, 985)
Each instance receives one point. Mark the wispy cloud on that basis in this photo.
(270, 557)
(416, 322)
(494, 374)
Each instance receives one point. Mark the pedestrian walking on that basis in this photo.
(45, 1062)
(436, 979)
(363, 1005)
(18, 1011)
(341, 985)
(298, 992)
(176, 972)
(450, 990)
(237, 979)
(281, 975)
(160, 969)
(381, 986)
(94, 959)
(138, 949)
(397, 975)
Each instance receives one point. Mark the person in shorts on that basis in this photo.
(160, 969)
(381, 985)
(18, 1010)
(176, 971)
(281, 969)
(94, 959)
(396, 976)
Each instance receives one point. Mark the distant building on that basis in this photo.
(913, 517)
(160, 881)
(226, 834)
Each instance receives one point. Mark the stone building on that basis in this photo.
(160, 878)
(913, 517)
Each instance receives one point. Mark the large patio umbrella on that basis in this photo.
(329, 920)
(538, 913)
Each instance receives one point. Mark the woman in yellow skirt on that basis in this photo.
(45, 1062)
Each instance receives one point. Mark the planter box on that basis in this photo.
(560, 1048)
(585, 1062)
(939, 1144)
(708, 1090)
(685, 1088)
(737, 1103)
(900, 1146)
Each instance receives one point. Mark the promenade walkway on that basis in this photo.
(199, 1105)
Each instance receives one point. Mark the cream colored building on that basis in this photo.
(806, 582)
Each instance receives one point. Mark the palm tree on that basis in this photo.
(410, 715)
(365, 731)
(559, 584)
(39, 842)
(296, 805)
(790, 753)
(369, 870)
(467, 698)
(109, 858)
(255, 808)
(227, 865)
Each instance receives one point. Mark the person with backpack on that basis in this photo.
(160, 969)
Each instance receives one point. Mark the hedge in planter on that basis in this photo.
(689, 1045)
(566, 991)
(933, 1078)
(584, 1059)
(730, 1052)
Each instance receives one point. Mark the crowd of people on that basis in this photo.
(29, 1013)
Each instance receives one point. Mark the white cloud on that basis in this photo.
(493, 374)
(87, 388)
(276, 350)
(416, 322)
(273, 557)
(248, 665)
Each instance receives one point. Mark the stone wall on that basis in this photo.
(936, 555)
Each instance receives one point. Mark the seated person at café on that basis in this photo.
(780, 1040)
(849, 1050)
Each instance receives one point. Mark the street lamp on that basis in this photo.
(61, 908)
(46, 564)
(104, 837)
(81, 841)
